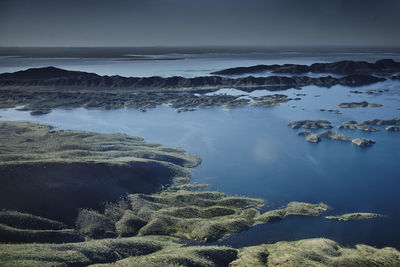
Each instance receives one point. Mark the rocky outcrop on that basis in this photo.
(304, 132)
(367, 125)
(362, 104)
(270, 100)
(311, 124)
(353, 125)
(316, 138)
(341, 67)
(361, 142)
(392, 128)
(356, 216)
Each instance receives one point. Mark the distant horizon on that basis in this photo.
(201, 46)
(182, 23)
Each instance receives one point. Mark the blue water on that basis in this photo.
(251, 151)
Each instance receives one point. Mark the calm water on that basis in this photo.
(251, 151)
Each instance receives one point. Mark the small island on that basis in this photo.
(311, 124)
(367, 124)
(328, 134)
(362, 104)
(355, 216)
(363, 142)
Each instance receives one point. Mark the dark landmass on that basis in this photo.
(331, 110)
(43, 102)
(370, 92)
(346, 67)
(42, 89)
(53, 173)
(55, 77)
(362, 104)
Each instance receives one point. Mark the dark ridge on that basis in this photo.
(44, 73)
(345, 67)
(55, 77)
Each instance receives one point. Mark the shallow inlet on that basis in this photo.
(67, 187)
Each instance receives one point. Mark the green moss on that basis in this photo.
(316, 252)
(293, 208)
(74, 169)
(129, 224)
(189, 187)
(81, 254)
(92, 224)
(39, 143)
(15, 235)
(204, 216)
(210, 256)
(28, 221)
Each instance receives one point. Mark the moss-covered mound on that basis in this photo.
(28, 221)
(53, 173)
(81, 254)
(198, 256)
(293, 208)
(316, 252)
(166, 251)
(203, 216)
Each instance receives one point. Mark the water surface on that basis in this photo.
(251, 151)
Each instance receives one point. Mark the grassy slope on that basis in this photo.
(53, 173)
(203, 216)
(316, 252)
(81, 254)
(38, 143)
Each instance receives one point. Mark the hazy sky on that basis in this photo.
(199, 22)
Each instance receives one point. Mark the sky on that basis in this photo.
(366, 23)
